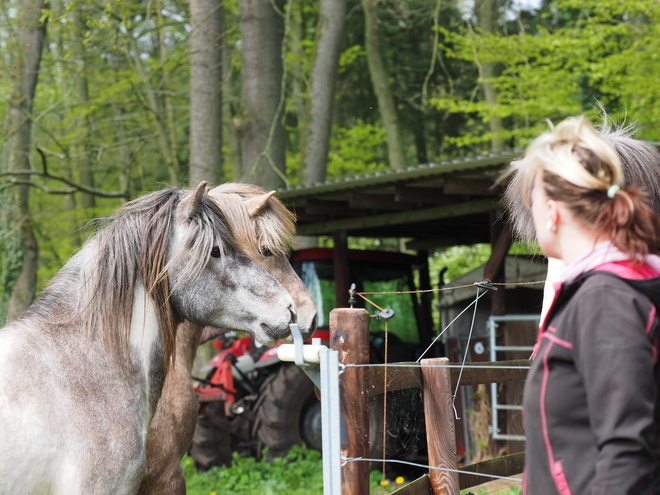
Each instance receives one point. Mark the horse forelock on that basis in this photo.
(272, 228)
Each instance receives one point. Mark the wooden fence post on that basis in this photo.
(349, 335)
(440, 435)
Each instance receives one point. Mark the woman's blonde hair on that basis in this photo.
(580, 168)
(575, 152)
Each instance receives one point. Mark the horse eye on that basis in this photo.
(264, 251)
(215, 252)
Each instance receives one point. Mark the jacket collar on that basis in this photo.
(603, 252)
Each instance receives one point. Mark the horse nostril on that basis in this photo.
(294, 316)
(315, 322)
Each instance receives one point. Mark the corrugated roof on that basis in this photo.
(443, 203)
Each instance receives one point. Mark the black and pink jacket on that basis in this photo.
(591, 403)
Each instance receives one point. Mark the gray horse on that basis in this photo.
(82, 370)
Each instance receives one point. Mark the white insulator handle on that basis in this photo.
(311, 352)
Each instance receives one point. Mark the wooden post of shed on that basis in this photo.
(349, 335)
(340, 262)
(440, 435)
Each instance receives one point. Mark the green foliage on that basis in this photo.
(514, 490)
(358, 149)
(299, 473)
(558, 63)
(458, 260)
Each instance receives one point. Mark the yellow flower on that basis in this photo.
(213, 493)
(384, 482)
(189, 462)
(399, 480)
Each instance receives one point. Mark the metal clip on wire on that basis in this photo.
(351, 296)
(485, 284)
(385, 314)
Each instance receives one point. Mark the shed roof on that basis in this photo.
(435, 204)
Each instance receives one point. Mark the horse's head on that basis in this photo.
(264, 229)
(212, 282)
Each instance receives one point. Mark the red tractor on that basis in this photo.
(251, 400)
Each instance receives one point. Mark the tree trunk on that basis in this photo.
(386, 105)
(81, 151)
(324, 78)
(206, 90)
(262, 131)
(486, 11)
(230, 101)
(32, 32)
(156, 107)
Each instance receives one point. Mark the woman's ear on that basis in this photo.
(554, 215)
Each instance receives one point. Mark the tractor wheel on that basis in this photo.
(288, 412)
(211, 445)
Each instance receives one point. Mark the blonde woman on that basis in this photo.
(592, 417)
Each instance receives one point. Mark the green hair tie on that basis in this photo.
(612, 191)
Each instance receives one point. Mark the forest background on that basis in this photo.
(103, 101)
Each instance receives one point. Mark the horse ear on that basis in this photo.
(190, 205)
(256, 204)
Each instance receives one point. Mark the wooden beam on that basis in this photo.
(421, 486)
(349, 335)
(383, 220)
(341, 268)
(400, 377)
(475, 187)
(377, 202)
(507, 465)
(422, 195)
(440, 428)
(326, 207)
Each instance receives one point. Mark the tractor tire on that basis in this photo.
(288, 412)
(211, 445)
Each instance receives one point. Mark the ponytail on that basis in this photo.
(628, 220)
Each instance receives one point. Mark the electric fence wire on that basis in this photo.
(461, 367)
(346, 460)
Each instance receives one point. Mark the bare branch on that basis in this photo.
(25, 176)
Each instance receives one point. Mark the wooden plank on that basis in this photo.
(476, 187)
(474, 376)
(431, 194)
(508, 465)
(377, 202)
(400, 377)
(440, 435)
(349, 335)
(421, 486)
(313, 207)
(387, 219)
(340, 268)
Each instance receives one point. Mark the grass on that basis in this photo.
(299, 473)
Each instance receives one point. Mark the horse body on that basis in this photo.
(82, 370)
(263, 228)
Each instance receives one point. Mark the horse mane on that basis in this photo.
(273, 228)
(132, 246)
